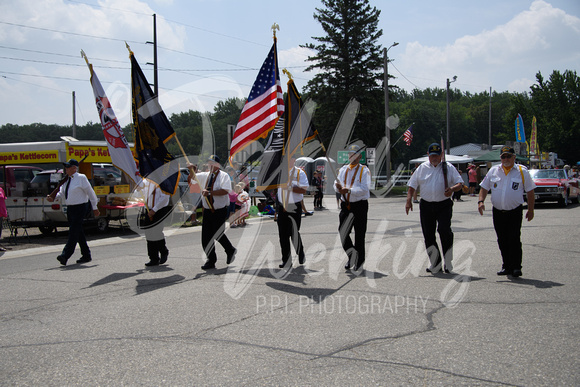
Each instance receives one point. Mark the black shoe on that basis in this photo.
(163, 257)
(302, 259)
(62, 260)
(208, 266)
(231, 256)
(447, 271)
(84, 260)
(428, 270)
(504, 272)
(152, 263)
(517, 273)
(357, 267)
(347, 266)
(287, 264)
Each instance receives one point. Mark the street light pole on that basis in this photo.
(387, 129)
(447, 145)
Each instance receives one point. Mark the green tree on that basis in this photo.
(349, 62)
(556, 105)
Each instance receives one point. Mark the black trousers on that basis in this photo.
(349, 218)
(75, 215)
(213, 228)
(289, 229)
(318, 195)
(508, 226)
(436, 216)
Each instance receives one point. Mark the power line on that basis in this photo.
(57, 54)
(70, 33)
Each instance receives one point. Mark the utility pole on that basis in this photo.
(154, 42)
(448, 145)
(74, 125)
(489, 118)
(387, 129)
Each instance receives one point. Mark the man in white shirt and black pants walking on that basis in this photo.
(437, 180)
(215, 188)
(508, 181)
(290, 214)
(79, 197)
(353, 184)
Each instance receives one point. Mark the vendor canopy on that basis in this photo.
(450, 158)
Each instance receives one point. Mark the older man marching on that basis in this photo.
(437, 180)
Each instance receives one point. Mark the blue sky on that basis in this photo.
(211, 49)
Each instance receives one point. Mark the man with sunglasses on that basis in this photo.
(508, 181)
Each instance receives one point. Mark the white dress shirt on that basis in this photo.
(299, 179)
(507, 191)
(430, 180)
(79, 191)
(356, 178)
(222, 182)
(156, 198)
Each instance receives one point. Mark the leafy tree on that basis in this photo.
(349, 62)
(556, 105)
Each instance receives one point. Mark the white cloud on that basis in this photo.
(505, 57)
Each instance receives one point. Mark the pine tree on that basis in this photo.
(350, 65)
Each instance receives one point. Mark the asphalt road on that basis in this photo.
(114, 322)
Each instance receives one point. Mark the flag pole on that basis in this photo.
(178, 143)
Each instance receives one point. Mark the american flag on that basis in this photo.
(408, 135)
(263, 107)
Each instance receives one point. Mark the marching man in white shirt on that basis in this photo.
(507, 182)
(437, 180)
(353, 184)
(79, 197)
(290, 214)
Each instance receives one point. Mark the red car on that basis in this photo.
(554, 185)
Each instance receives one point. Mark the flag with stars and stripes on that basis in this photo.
(263, 107)
(408, 135)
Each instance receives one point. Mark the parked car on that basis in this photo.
(554, 185)
(45, 182)
(16, 179)
(106, 174)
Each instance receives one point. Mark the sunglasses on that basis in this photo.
(506, 156)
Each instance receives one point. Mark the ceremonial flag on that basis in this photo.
(290, 133)
(408, 135)
(269, 176)
(520, 133)
(116, 142)
(534, 138)
(263, 107)
(152, 130)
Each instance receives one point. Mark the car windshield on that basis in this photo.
(548, 174)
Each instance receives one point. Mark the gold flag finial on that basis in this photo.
(287, 73)
(129, 48)
(83, 55)
(275, 27)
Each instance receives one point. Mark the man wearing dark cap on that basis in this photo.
(353, 184)
(508, 182)
(437, 180)
(215, 189)
(79, 198)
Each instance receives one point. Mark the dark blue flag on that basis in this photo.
(152, 130)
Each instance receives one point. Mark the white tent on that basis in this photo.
(450, 158)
